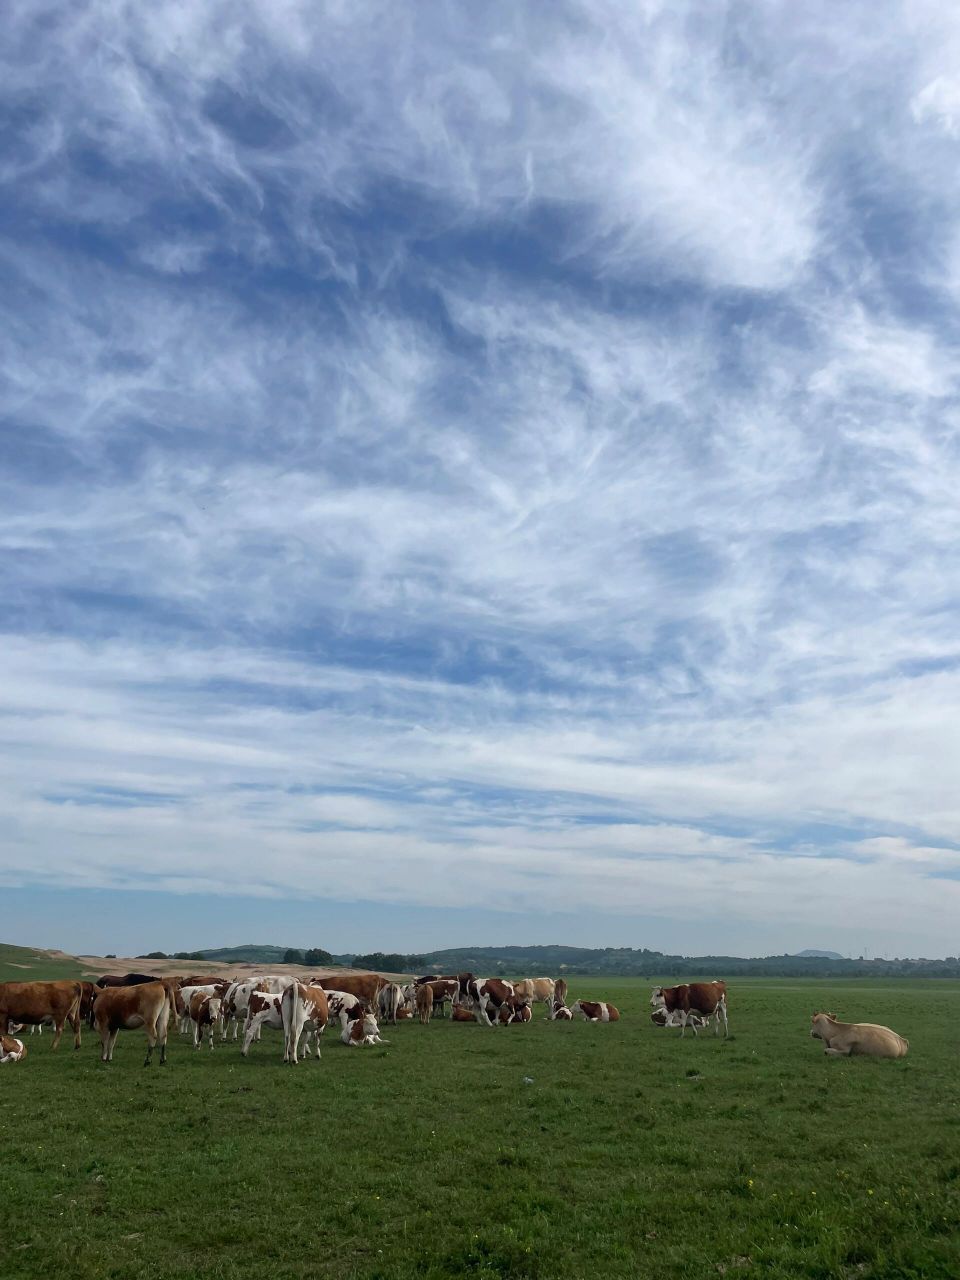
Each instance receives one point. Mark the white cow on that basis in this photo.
(363, 1031)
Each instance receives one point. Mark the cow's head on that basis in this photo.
(819, 1023)
(657, 998)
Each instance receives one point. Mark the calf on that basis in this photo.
(32, 1003)
(843, 1039)
(204, 1012)
(425, 1003)
(146, 1005)
(596, 1011)
(706, 999)
(11, 1050)
(363, 1031)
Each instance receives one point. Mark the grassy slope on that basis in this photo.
(631, 1154)
(24, 964)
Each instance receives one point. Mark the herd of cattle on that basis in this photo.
(359, 1002)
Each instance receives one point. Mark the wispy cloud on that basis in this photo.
(504, 451)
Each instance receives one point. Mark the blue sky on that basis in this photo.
(480, 473)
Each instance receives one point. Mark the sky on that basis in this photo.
(480, 474)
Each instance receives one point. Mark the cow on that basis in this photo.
(186, 996)
(204, 1012)
(560, 1013)
(11, 1050)
(485, 994)
(704, 998)
(540, 990)
(425, 1003)
(596, 1011)
(404, 1013)
(389, 1000)
(660, 1018)
(126, 979)
(302, 1007)
(514, 1009)
(844, 1039)
(31, 1003)
(236, 1001)
(144, 1005)
(365, 986)
(443, 989)
(462, 1014)
(200, 980)
(344, 1006)
(363, 1031)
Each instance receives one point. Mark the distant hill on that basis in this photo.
(250, 952)
(819, 955)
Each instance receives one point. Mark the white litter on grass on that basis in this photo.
(528, 1079)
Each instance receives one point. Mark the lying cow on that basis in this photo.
(705, 999)
(844, 1039)
(486, 995)
(363, 1031)
(462, 1014)
(596, 1011)
(559, 1011)
(11, 1050)
(660, 1018)
(513, 1009)
(146, 1005)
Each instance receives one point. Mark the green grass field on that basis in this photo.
(631, 1154)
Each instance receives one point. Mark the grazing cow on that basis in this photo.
(425, 1003)
(363, 1031)
(11, 1050)
(145, 1005)
(462, 1014)
(596, 1011)
(302, 1007)
(389, 1000)
(844, 1039)
(660, 1018)
(365, 986)
(186, 996)
(31, 1003)
(704, 998)
(126, 979)
(485, 994)
(204, 1012)
(236, 1002)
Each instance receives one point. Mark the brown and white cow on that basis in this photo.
(182, 1001)
(363, 1031)
(514, 1009)
(486, 994)
(303, 1008)
(844, 1039)
(462, 1014)
(596, 1011)
(119, 1009)
(560, 1013)
(443, 989)
(660, 1018)
(707, 999)
(11, 1050)
(204, 1012)
(33, 1003)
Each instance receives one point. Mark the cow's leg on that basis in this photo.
(113, 1043)
(59, 1033)
(151, 1030)
(210, 1038)
(723, 1014)
(75, 1023)
(837, 1053)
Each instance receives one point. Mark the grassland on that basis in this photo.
(630, 1153)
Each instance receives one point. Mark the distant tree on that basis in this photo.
(111, 955)
(188, 955)
(154, 955)
(292, 956)
(387, 961)
(315, 956)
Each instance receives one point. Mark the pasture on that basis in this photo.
(630, 1153)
